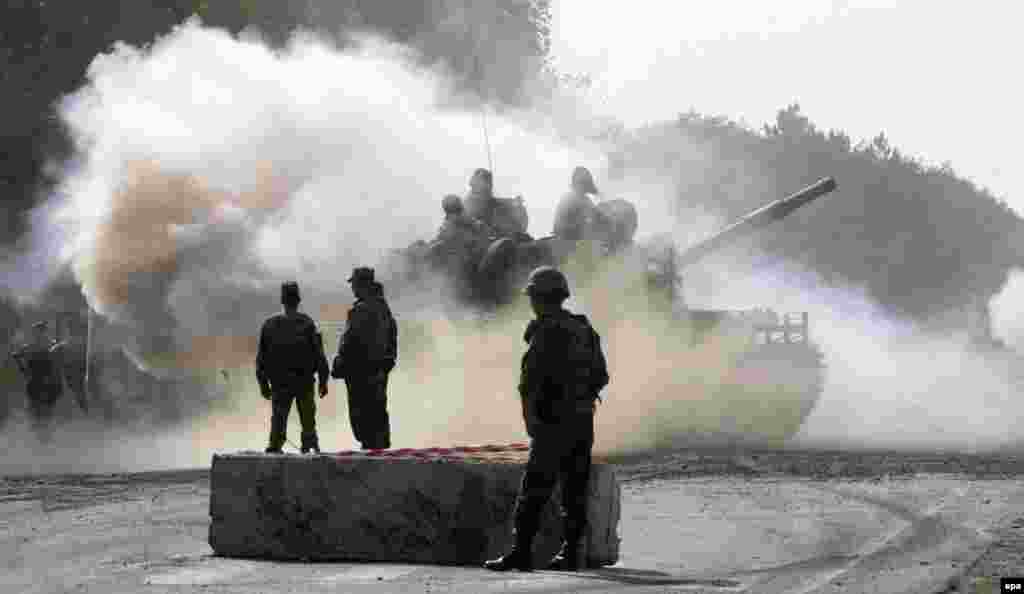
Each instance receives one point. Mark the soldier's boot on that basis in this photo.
(275, 444)
(568, 558)
(520, 557)
(310, 442)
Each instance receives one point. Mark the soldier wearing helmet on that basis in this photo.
(562, 374)
(576, 216)
(458, 226)
(505, 217)
(366, 355)
(290, 354)
(43, 386)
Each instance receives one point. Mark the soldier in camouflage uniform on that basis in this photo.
(366, 355)
(576, 216)
(502, 217)
(563, 372)
(70, 356)
(291, 352)
(460, 228)
(44, 386)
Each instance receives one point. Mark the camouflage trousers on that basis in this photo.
(42, 403)
(368, 411)
(558, 452)
(281, 403)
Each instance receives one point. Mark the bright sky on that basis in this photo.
(941, 78)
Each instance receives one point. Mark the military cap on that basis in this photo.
(547, 281)
(290, 291)
(362, 275)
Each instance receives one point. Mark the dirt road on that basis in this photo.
(691, 522)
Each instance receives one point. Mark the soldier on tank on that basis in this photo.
(366, 355)
(460, 241)
(43, 387)
(562, 374)
(291, 353)
(576, 216)
(503, 217)
(458, 227)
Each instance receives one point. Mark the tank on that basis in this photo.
(489, 272)
(772, 360)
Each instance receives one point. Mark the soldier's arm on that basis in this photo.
(534, 374)
(323, 371)
(358, 331)
(261, 361)
(393, 344)
(564, 216)
(599, 366)
(19, 360)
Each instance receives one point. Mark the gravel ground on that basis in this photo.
(694, 521)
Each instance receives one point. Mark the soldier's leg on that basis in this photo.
(281, 404)
(574, 473)
(381, 421)
(538, 482)
(41, 406)
(306, 404)
(355, 410)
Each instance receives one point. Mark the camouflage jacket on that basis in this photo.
(577, 217)
(291, 350)
(502, 216)
(369, 343)
(564, 369)
(463, 233)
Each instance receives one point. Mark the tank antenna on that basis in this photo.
(483, 113)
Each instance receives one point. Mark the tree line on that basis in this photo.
(921, 239)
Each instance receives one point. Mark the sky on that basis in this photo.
(939, 78)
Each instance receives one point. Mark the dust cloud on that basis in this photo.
(211, 168)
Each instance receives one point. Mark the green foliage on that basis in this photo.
(46, 47)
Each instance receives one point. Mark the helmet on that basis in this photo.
(547, 281)
(451, 204)
(485, 175)
(581, 177)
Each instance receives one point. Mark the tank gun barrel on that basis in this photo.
(761, 217)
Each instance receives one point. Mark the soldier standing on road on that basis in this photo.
(366, 355)
(70, 356)
(43, 387)
(563, 372)
(291, 352)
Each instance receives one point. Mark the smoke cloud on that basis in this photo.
(211, 168)
(214, 167)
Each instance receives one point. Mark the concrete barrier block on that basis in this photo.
(451, 507)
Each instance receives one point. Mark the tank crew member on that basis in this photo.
(505, 217)
(576, 216)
